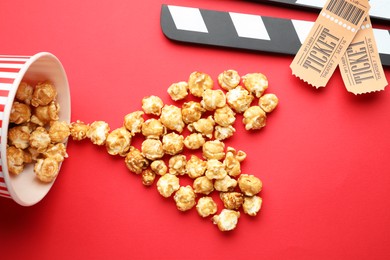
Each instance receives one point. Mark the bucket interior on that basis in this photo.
(25, 188)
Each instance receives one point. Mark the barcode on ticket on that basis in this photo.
(328, 40)
(345, 10)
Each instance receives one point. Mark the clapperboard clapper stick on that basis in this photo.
(246, 31)
(380, 9)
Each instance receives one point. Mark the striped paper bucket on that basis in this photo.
(24, 188)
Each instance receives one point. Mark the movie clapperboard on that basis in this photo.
(247, 31)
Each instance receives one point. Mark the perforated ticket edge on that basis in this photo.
(361, 67)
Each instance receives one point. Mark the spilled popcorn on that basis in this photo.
(209, 117)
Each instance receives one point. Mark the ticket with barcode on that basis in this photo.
(329, 38)
(361, 66)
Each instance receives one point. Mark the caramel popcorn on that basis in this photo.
(213, 117)
(194, 141)
(148, 177)
(171, 117)
(153, 128)
(252, 205)
(255, 83)
(239, 99)
(24, 93)
(250, 185)
(152, 105)
(78, 130)
(27, 157)
(20, 113)
(213, 150)
(135, 161)
(225, 184)
(33, 153)
(30, 126)
(191, 111)
(254, 118)
(198, 82)
(205, 126)
(43, 94)
(215, 169)
(177, 164)
(167, 185)
(227, 220)
(185, 198)
(232, 200)
(40, 139)
(213, 99)
(224, 116)
(268, 102)
(206, 206)
(232, 164)
(45, 114)
(152, 149)
(229, 79)
(98, 132)
(55, 151)
(195, 167)
(173, 143)
(203, 185)
(133, 121)
(59, 131)
(118, 141)
(19, 136)
(223, 132)
(15, 160)
(240, 155)
(159, 167)
(46, 169)
(178, 91)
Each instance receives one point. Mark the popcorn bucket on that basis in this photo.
(25, 188)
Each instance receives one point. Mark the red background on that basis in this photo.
(323, 156)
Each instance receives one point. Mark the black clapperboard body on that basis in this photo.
(246, 31)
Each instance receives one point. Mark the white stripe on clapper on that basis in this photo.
(249, 26)
(302, 29)
(187, 18)
(317, 3)
(380, 8)
(382, 38)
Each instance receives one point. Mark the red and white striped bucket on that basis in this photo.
(24, 188)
